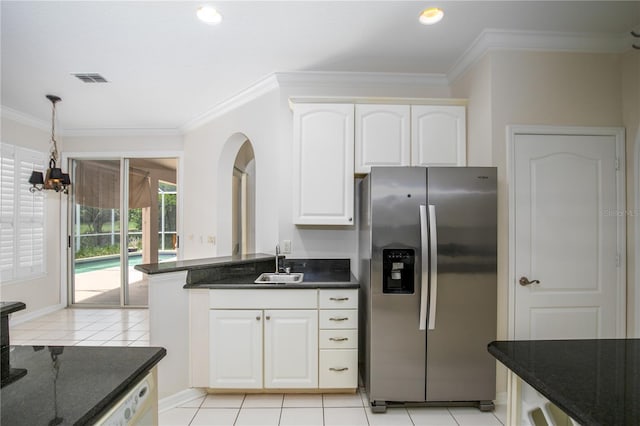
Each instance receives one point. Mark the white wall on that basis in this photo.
(267, 122)
(209, 154)
(43, 292)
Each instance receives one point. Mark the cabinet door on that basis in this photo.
(382, 136)
(438, 135)
(291, 349)
(235, 348)
(323, 164)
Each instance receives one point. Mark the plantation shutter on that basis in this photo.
(31, 217)
(22, 215)
(7, 211)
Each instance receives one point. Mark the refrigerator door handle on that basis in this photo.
(433, 267)
(424, 276)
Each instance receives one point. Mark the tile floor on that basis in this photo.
(120, 327)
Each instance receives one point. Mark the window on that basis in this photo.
(22, 214)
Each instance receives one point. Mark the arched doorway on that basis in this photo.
(243, 204)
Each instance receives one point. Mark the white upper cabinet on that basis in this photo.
(382, 136)
(438, 135)
(323, 185)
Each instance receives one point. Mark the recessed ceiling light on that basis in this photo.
(209, 15)
(431, 15)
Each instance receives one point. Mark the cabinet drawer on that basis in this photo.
(339, 318)
(263, 299)
(338, 339)
(338, 299)
(338, 368)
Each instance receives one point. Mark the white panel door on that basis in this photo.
(291, 349)
(323, 164)
(382, 136)
(235, 348)
(567, 237)
(438, 135)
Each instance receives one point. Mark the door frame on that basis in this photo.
(65, 259)
(636, 222)
(617, 132)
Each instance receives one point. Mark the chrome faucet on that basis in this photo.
(277, 254)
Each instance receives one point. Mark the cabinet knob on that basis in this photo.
(258, 318)
(268, 317)
(338, 369)
(350, 219)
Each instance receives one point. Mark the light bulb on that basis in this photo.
(431, 16)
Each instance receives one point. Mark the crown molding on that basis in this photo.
(112, 132)
(492, 39)
(28, 120)
(22, 118)
(252, 92)
(358, 79)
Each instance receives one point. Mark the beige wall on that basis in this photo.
(630, 89)
(475, 86)
(43, 292)
(539, 88)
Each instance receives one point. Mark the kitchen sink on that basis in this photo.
(272, 277)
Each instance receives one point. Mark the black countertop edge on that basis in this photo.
(543, 381)
(185, 265)
(112, 398)
(7, 308)
(275, 286)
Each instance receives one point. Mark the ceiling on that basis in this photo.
(165, 68)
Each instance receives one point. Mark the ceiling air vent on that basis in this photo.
(90, 77)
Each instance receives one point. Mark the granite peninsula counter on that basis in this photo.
(72, 385)
(595, 382)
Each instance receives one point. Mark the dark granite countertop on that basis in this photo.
(87, 382)
(318, 273)
(596, 382)
(193, 264)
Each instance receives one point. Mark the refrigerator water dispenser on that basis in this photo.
(398, 271)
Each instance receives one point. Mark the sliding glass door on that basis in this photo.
(106, 244)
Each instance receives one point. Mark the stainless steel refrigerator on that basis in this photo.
(428, 246)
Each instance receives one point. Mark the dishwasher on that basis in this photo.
(138, 407)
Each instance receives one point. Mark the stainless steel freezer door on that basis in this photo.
(397, 346)
(459, 368)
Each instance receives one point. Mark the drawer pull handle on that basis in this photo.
(338, 299)
(338, 339)
(338, 369)
(339, 319)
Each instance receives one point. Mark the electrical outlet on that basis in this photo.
(286, 246)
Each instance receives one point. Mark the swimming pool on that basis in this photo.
(104, 262)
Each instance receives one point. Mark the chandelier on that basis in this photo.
(55, 179)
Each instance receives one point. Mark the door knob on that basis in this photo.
(525, 281)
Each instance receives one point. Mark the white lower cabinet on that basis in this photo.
(291, 349)
(338, 343)
(235, 349)
(281, 339)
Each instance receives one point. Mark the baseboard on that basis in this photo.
(501, 398)
(177, 399)
(19, 318)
